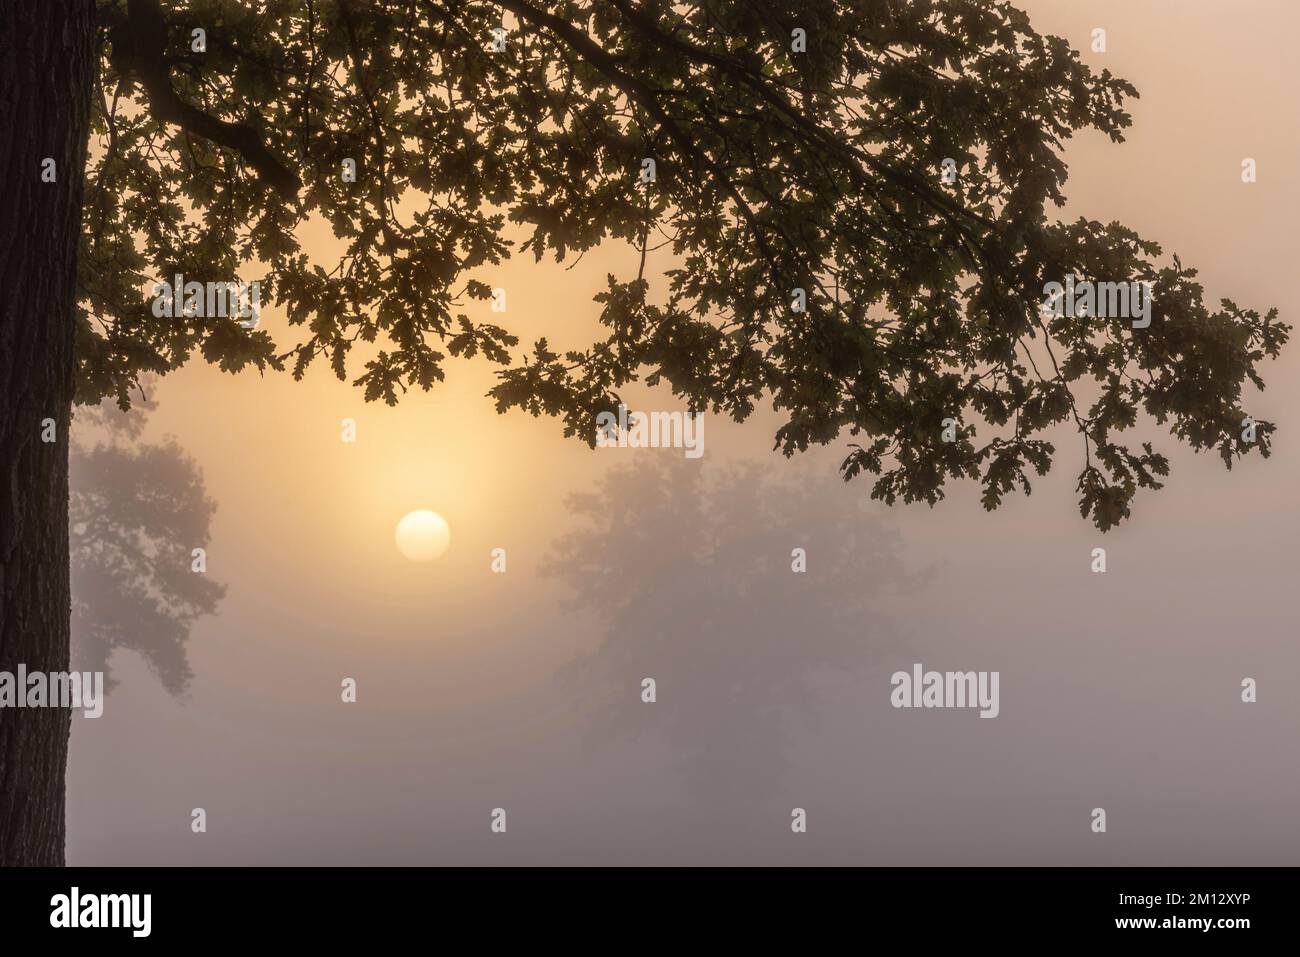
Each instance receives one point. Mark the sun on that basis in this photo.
(422, 535)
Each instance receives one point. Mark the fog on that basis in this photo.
(523, 689)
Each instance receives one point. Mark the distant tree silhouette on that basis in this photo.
(795, 146)
(137, 510)
(689, 574)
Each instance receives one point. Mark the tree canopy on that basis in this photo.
(796, 146)
(136, 511)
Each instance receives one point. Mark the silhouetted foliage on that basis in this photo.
(136, 511)
(776, 169)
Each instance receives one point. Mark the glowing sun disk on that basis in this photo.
(422, 535)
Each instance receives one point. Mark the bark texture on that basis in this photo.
(47, 68)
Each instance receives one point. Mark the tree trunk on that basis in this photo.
(47, 69)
